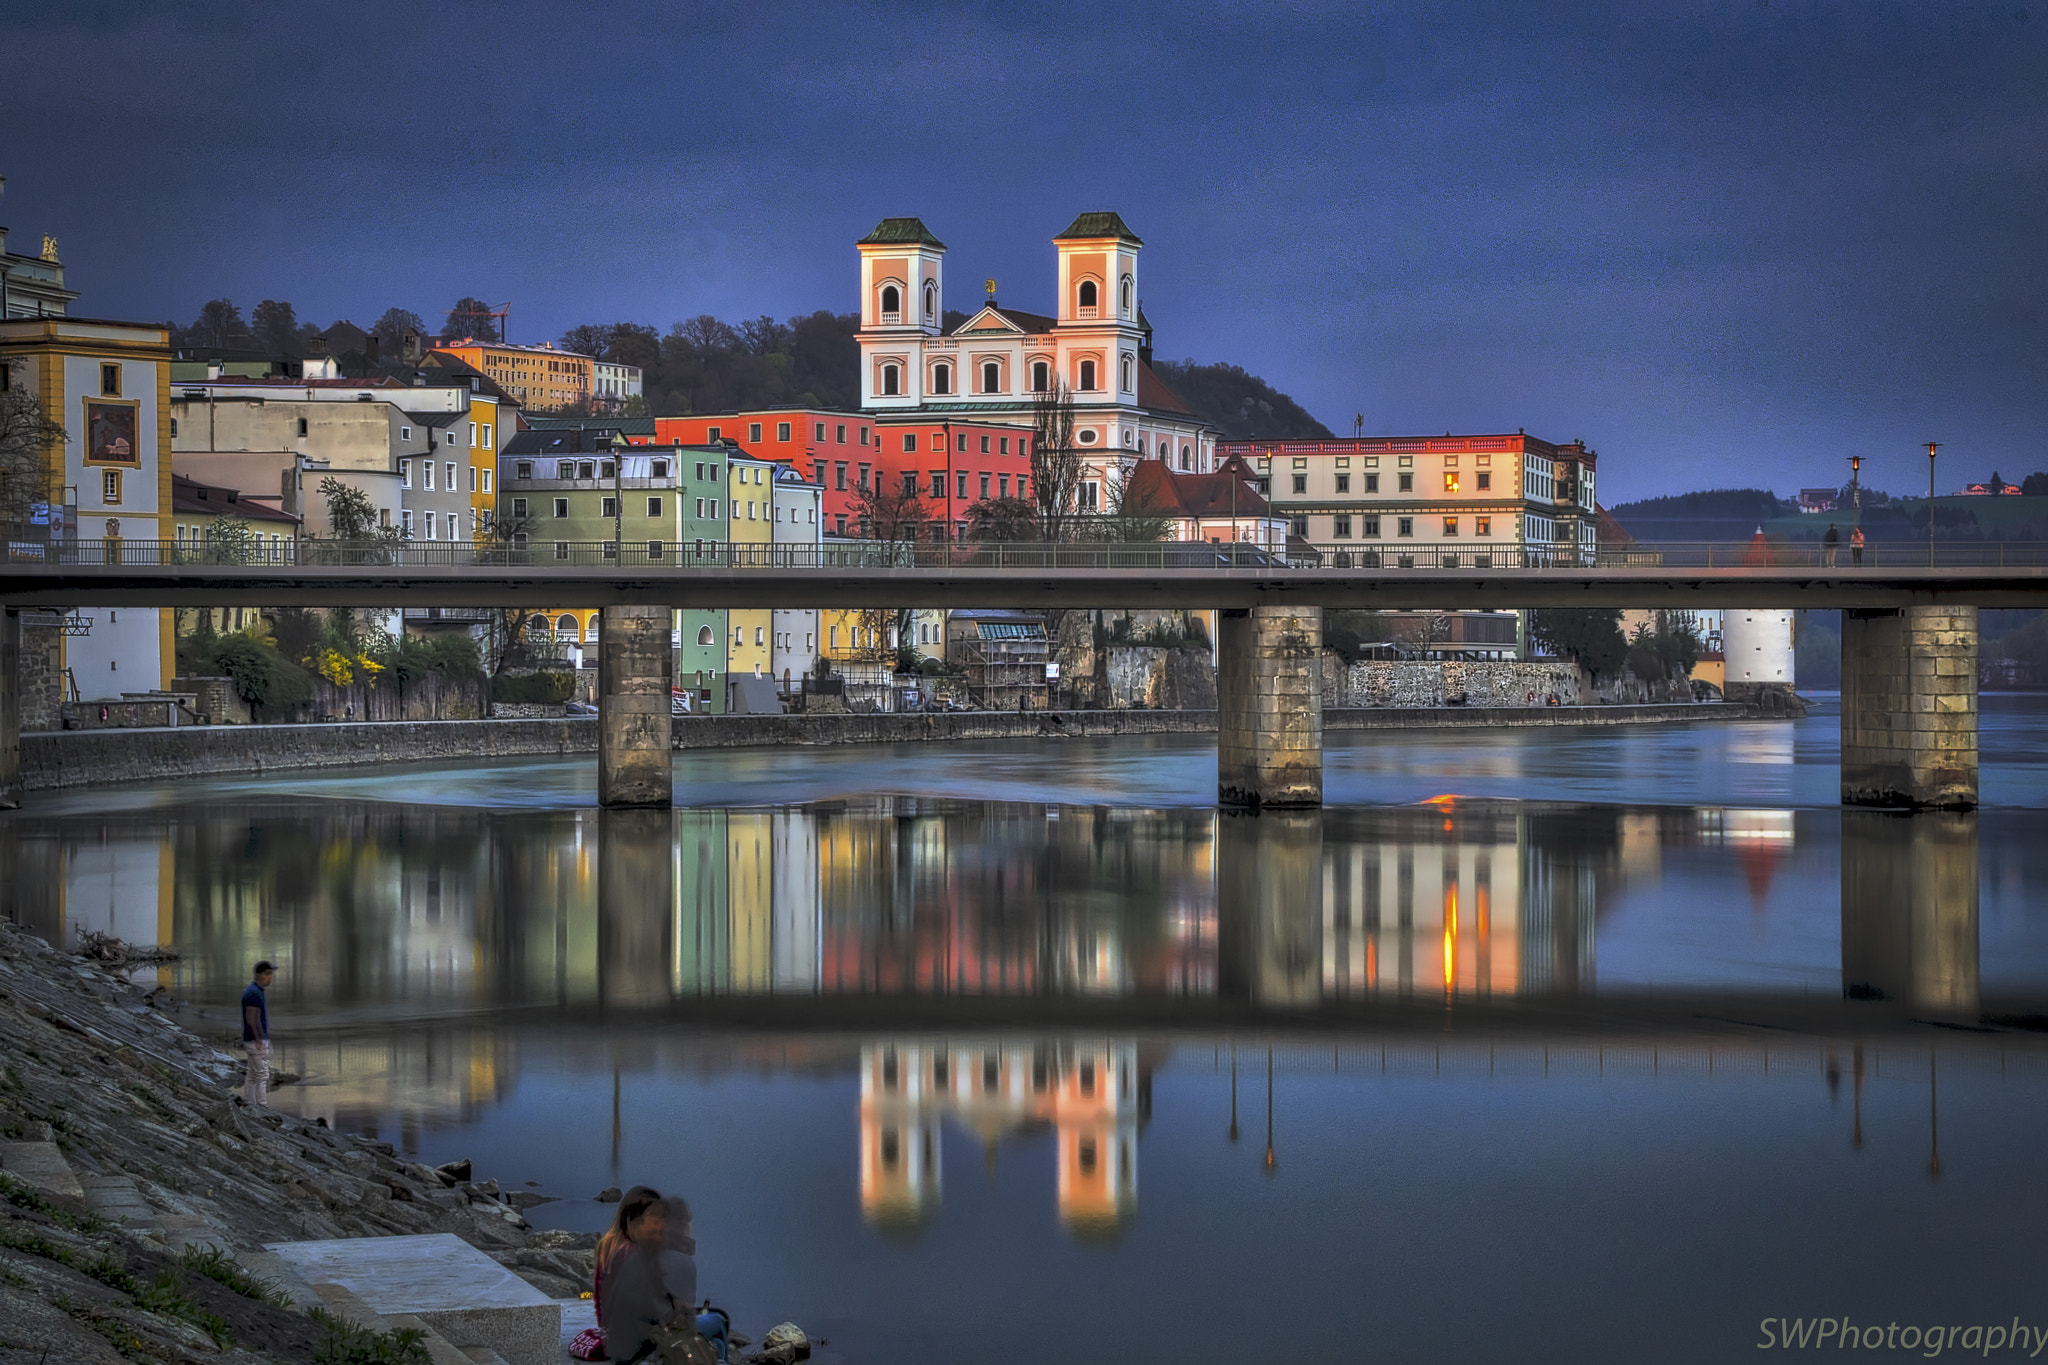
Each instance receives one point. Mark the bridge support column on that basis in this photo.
(1269, 707)
(1909, 707)
(634, 729)
(10, 710)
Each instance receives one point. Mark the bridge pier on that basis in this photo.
(1269, 700)
(10, 710)
(1909, 707)
(634, 731)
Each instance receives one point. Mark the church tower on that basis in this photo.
(1098, 282)
(903, 292)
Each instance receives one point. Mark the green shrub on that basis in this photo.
(223, 1269)
(263, 677)
(23, 1195)
(344, 1343)
(545, 688)
(166, 1295)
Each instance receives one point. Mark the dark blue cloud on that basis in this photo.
(1725, 242)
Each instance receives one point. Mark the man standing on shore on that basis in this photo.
(256, 1034)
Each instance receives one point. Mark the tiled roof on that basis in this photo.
(194, 498)
(1106, 224)
(629, 426)
(1155, 487)
(901, 231)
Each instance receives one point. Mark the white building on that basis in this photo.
(993, 366)
(611, 384)
(797, 508)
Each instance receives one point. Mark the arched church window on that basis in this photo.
(931, 300)
(1127, 291)
(1087, 376)
(991, 377)
(1162, 450)
(1127, 372)
(1187, 458)
(1041, 376)
(704, 635)
(892, 383)
(892, 299)
(1087, 293)
(566, 625)
(942, 379)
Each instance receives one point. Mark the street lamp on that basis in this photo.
(1932, 446)
(618, 449)
(1856, 489)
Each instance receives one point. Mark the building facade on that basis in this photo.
(993, 366)
(537, 377)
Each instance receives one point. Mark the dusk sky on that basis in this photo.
(1725, 243)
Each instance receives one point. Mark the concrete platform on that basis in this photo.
(43, 1165)
(445, 1282)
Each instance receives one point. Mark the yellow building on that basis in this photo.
(108, 482)
(750, 521)
(538, 377)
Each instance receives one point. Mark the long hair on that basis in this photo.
(631, 1209)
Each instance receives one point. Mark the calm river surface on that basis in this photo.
(1561, 1044)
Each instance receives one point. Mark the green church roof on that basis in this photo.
(903, 232)
(1090, 225)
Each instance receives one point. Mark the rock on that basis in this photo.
(784, 1343)
(611, 1196)
(456, 1171)
(526, 1199)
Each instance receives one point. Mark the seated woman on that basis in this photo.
(632, 1300)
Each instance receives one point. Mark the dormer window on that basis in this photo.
(566, 469)
(657, 469)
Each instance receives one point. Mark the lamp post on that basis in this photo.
(618, 449)
(1932, 446)
(1855, 490)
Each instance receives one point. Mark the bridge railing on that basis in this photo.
(1164, 557)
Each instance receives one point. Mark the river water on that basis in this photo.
(1586, 1044)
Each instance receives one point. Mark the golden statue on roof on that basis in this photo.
(50, 248)
(990, 286)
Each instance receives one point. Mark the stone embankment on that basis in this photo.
(137, 1189)
(81, 758)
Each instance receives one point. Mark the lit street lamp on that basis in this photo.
(618, 449)
(1932, 446)
(1855, 489)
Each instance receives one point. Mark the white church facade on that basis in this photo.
(993, 366)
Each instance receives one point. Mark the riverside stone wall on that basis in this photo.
(1162, 679)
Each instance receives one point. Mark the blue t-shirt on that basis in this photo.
(254, 996)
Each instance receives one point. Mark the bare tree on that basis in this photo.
(1132, 518)
(1055, 460)
(893, 515)
(29, 442)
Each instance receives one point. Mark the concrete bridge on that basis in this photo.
(1909, 644)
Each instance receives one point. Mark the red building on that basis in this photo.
(954, 463)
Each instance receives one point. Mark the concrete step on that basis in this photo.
(268, 1265)
(117, 1199)
(41, 1164)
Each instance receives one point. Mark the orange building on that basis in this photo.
(538, 377)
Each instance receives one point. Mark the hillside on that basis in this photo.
(1711, 514)
(1243, 406)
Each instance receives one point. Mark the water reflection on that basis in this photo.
(383, 908)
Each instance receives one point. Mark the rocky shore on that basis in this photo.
(137, 1190)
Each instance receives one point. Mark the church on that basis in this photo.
(994, 366)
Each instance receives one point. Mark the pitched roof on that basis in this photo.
(901, 232)
(1153, 393)
(627, 426)
(190, 496)
(1015, 317)
(1154, 487)
(1094, 225)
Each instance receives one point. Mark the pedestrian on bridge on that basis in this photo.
(1832, 541)
(1856, 546)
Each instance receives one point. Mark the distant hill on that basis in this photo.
(1713, 514)
(1244, 406)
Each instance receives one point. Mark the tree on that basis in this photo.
(390, 329)
(29, 441)
(276, 328)
(1002, 520)
(230, 540)
(765, 336)
(1589, 636)
(1245, 406)
(590, 338)
(892, 515)
(471, 317)
(219, 324)
(1055, 461)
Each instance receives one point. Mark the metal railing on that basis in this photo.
(1187, 556)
